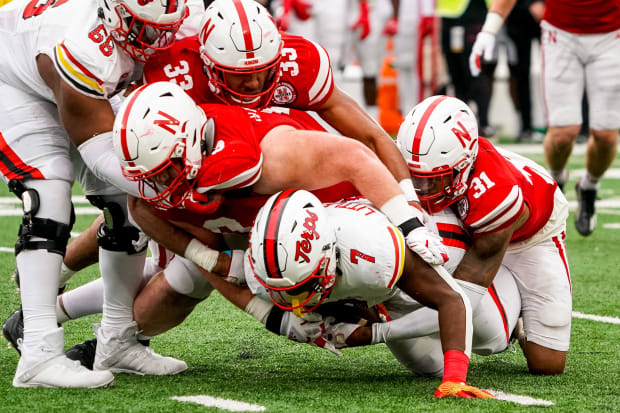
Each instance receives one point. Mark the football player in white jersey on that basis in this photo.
(68, 58)
(306, 254)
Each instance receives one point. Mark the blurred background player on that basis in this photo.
(580, 50)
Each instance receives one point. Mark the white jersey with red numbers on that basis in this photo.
(306, 81)
(583, 16)
(73, 36)
(500, 186)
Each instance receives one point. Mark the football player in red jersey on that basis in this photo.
(511, 207)
(580, 50)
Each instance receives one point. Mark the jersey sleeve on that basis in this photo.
(76, 70)
(496, 209)
(236, 159)
(307, 79)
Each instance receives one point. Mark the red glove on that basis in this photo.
(426, 26)
(391, 27)
(363, 21)
(303, 9)
(203, 204)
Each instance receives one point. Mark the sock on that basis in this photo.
(84, 300)
(122, 278)
(38, 276)
(559, 176)
(65, 274)
(588, 181)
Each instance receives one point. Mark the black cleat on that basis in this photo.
(13, 329)
(84, 353)
(585, 217)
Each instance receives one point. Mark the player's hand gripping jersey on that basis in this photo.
(235, 165)
(305, 84)
(500, 186)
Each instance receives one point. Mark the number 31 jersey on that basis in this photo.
(306, 81)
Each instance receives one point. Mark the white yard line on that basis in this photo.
(600, 318)
(520, 399)
(224, 404)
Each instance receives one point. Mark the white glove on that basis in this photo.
(306, 330)
(236, 273)
(338, 333)
(482, 49)
(427, 245)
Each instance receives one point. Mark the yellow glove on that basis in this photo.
(461, 389)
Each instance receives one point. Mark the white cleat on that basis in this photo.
(47, 366)
(120, 352)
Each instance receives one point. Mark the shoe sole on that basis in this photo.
(109, 383)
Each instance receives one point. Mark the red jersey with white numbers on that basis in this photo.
(501, 184)
(306, 81)
(584, 16)
(235, 164)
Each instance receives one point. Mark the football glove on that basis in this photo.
(427, 245)
(391, 27)
(363, 21)
(461, 389)
(306, 330)
(482, 49)
(338, 333)
(204, 204)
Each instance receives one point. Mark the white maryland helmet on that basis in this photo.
(142, 27)
(439, 141)
(159, 127)
(293, 250)
(240, 37)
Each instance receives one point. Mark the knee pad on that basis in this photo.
(112, 234)
(54, 234)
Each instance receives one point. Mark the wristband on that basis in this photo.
(274, 320)
(406, 185)
(399, 212)
(259, 309)
(492, 23)
(409, 225)
(455, 365)
(201, 255)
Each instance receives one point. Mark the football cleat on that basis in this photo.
(83, 352)
(120, 352)
(44, 365)
(585, 217)
(460, 389)
(13, 329)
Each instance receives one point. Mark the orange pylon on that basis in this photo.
(390, 117)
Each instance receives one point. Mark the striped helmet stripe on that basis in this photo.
(417, 138)
(270, 250)
(245, 28)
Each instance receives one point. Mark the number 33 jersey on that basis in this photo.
(500, 186)
(306, 81)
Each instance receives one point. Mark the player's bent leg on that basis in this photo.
(544, 361)
(158, 307)
(40, 248)
(422, 355)
(601, 151)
